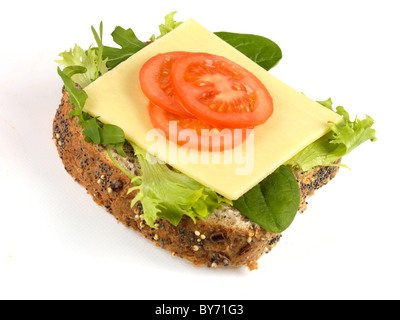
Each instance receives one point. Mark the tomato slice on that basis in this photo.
(156, 83)
(220, 92)
(194, 133)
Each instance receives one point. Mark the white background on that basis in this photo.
(55, 243)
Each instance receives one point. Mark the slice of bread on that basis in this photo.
(225, 238)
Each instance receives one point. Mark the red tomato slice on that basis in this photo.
(194, 133)
(220, 92)
(156, 82)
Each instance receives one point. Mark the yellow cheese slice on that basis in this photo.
(297, 121)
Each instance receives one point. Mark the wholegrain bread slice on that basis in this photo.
(225, 238)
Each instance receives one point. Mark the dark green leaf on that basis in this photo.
(107, 133)
(99, 41)
(111, 134)
(274, 202)
(77, 97)
(129, 43)
(263, 51)
(126, 38)
(86, 116)
(91, 130)
(120, 149)
(75, 112)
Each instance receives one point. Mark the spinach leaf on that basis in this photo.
(274, 202)
(91, 130)
(262, 51)
(106, 134)
(129, 43)
(112, 134)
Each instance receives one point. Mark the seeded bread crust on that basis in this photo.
(225, 238)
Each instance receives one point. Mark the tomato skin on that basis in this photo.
(156, 84)
(193, 138)
(220, 92)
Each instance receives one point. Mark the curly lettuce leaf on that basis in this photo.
(85, 66)
(88, 59)
(168, 194)
(169, 25)
(340, 141)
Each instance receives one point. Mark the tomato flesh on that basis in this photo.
(219, 91)
(195, 133)
(203, 101)
(155, 80)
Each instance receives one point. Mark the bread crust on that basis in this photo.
(226, 238)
